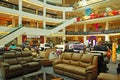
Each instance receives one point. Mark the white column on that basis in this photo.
(13, 22)
(37, 24)
(45, 38)
(20, 13)
(107, 25)
(19, 39)
(84, 28)
(63, 15)
(106, 35)
(85, 37)
(44, 15)
(64, 38)
(85, 40)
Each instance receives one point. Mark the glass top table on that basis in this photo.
(40, 75)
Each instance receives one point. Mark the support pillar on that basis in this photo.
(19, 40)
(85, 27)
(13, 22)
(63, 2)
(85, 37)
(37, 24)
(107, 25)
(64, 37)
(44, 15)
(20, 14)
(106, 28)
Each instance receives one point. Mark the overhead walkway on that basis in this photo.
(15, 32)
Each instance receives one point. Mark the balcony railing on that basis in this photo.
(8, 5)
(95, 32)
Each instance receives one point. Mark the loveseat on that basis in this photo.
(77, 66)
(16, 64)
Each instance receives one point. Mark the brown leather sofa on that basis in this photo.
(77, 66)
(16, 64)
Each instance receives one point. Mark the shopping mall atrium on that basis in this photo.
(78, 32)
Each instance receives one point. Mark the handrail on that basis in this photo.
(63, 25)
(10, 31)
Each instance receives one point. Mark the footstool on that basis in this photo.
(107, 76)
(46, 62)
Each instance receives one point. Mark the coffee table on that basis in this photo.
(40, 75)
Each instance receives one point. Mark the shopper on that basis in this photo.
(13, 46)
(6, 48)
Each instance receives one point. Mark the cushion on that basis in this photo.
(60, 66)
(15, 67)
(66, 57)
(86, 60)
(11, 61)
(79, 70)
(33, 64)
(28, 59)
(75, 59)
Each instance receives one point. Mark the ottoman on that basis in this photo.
(107, 76)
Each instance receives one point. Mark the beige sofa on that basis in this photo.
(77, 66)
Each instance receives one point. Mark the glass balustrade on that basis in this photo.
(93, 32)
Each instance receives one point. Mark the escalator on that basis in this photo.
(10, 35)
(15, 32)
(63, 25)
